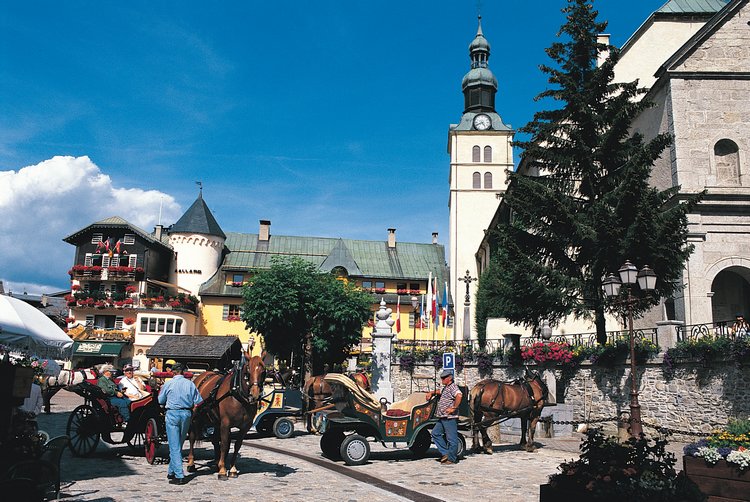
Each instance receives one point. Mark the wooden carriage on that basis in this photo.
(359, 416)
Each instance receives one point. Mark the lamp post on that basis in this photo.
(415, 306)
(646, 279)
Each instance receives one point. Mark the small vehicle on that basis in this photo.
(360, 416)
(97, 420)
(276, 408)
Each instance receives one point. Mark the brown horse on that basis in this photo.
(492, 401)
(229, 400)
(316, 392)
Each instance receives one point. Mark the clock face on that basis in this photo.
(482, 122)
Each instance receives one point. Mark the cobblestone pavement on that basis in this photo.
(119, 473)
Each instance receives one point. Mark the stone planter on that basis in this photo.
(721, 481)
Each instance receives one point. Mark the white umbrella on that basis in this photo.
(26, 328)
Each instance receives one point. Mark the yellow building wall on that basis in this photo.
(212, 312)
(438, 333)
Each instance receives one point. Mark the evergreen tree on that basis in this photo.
(584, 205)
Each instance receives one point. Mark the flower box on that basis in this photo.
(719, 480)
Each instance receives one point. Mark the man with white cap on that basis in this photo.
(131, 385)
(445, 432)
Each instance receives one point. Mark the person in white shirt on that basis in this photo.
(33, 403)
(131, 385)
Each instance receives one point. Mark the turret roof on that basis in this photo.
(198, 220)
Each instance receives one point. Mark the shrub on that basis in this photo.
(636, 470)
(407, 362)
(484, 364)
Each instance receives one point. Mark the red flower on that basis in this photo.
(129, 320)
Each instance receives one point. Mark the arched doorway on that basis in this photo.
(731, 288)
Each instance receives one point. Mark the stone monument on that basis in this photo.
(382, 337)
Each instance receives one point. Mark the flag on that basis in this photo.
(430, 313)
(398, 315)
(434, 308)
(444, 313)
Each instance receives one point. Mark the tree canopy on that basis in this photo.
(293, 300)
(582, 204)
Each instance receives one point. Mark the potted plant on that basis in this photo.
(720, 464)
(635, 470)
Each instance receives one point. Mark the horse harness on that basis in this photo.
(513, 413)
(235, 391)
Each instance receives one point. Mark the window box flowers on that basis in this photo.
(129, 321)
(130, 289)
(379, 291)
(237, 284)
(233, 318)
(547, 353)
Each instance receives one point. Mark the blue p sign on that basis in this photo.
(449, 360)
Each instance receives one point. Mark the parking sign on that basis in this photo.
(449, 360)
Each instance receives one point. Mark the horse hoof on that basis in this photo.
(191, 468)
(222, 477)
(233, 474)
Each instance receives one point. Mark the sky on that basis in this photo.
(328, 118)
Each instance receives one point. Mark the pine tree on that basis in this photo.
(583, 205)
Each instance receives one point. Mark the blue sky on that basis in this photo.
(328, 118)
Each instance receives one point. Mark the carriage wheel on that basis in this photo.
(151, 440)
(83, 431)
(355, 450)
(330, 444)
(422, 443)
(283, 428)
(461, 446)
(136, 442)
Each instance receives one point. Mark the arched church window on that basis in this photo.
(488, 180)
(476, 180)
(727, 161)
(340, 272)
(488, 154)
(475, 152)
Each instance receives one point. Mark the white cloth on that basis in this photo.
(33, 403)
(133, 387)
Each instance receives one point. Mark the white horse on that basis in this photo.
(52, 384)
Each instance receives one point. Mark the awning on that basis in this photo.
(102, 349)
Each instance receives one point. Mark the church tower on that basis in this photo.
(480, 153)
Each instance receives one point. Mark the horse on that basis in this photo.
(52, 384)
(492, 401)
(316, 393)
(229, 400)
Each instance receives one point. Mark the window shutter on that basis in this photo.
(128, 239)
(89, 320)
(105, 261)
(96, 238)
(225, 313)
(118, 322)
(133, 260)
(87, 260)
(488, 154)
(475, 152)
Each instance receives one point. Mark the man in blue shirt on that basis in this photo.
(181, 398)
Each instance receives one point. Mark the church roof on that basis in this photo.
(198, 220)
(692, 6)
(361, 258)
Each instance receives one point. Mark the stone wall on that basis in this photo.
(697, 399)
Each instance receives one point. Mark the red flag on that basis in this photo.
(398, 315)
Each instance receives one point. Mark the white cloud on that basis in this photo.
(28, 287)
(41, 204)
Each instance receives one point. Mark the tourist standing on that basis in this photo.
(445, 432)
(181, 398)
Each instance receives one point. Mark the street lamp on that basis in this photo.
(646, 279)
(415, 306)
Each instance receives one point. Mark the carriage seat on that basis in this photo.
(140, 403)
(404, 407)
(362, 396)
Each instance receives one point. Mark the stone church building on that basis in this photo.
(693, 57)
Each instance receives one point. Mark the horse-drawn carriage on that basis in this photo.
(97, 419)
(359, 416)
(277, 407)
